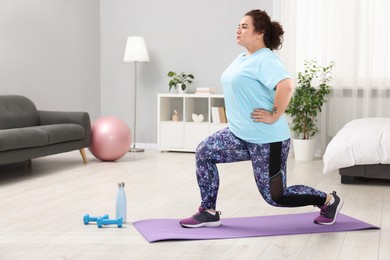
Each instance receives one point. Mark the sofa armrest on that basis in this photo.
(67, 117)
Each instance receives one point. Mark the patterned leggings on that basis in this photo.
(269, 168)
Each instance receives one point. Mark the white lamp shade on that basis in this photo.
(135, 50)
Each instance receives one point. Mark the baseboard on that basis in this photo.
(146, 145)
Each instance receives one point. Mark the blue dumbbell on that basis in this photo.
(87, 218)
(101, 221)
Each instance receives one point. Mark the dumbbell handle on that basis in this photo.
(100, 222)
(87, 218)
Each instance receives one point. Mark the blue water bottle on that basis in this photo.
(121, 204)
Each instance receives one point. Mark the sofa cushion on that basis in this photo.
(59, 133)
(25, 137)
(17, 111)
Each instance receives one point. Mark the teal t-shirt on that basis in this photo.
(249, 82)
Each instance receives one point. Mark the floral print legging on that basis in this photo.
(269, 168)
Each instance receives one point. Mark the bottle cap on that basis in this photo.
(121, 184)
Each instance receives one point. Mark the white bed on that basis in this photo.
(361, 142)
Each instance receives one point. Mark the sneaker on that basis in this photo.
(202, 219)
(329, 212)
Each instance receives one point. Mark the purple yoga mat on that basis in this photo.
(155, 230)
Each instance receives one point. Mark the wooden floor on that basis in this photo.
(41, 211)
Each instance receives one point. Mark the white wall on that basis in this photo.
(50, 52)
(193, 36)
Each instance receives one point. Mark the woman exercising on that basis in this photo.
(257, 91)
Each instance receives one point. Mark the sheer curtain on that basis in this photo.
(355, 34)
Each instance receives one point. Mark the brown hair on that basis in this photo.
(273, 31)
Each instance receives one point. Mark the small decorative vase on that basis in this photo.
(181, 89)
(175, 116)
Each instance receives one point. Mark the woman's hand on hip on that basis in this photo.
(263, 116)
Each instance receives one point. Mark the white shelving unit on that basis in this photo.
(185, 135)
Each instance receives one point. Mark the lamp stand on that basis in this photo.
(134, 149)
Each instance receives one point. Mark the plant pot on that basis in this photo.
(179, 88)
(304, 149)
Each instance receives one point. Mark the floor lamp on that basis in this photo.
(135, 51)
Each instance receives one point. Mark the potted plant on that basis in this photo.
(179, 81)
(310, 94)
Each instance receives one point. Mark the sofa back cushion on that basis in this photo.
(17, 111)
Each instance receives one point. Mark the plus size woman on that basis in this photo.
(257, 91)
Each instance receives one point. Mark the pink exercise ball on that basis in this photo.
(111, 138)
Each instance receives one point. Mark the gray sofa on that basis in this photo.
(27, 133)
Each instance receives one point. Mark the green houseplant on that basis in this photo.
(309, 96)
(179, 80)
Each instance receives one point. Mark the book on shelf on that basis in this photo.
(218, 115)
(222, 115)
(215, 115)
(205, 91)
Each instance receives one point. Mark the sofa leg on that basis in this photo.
(82, 152)
(29, 165)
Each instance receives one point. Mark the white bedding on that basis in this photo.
(361, 141)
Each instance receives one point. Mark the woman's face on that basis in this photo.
(246, 35)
